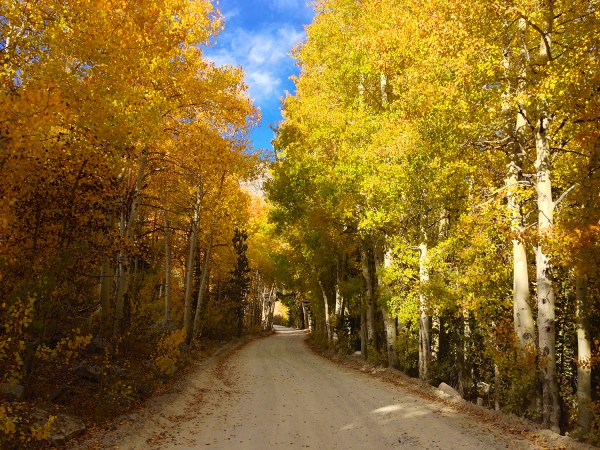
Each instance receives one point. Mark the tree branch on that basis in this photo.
(564, 194)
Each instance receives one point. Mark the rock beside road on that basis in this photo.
(449, 390)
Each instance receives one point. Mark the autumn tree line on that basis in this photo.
(436, 191)
(124, 219)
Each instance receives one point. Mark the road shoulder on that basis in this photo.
(510, 424)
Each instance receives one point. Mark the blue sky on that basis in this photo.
(258, 36)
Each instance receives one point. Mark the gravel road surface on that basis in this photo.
(275, 392)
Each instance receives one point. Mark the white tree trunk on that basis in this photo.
(391, 335)
(269, 296)
(584, 356)
(545, 297)
(436, 330)
(545, 288)
(167, 229)
(272, 302)
(307, 318)
(383, 261)
(202, 288)
(370, 300)
(339, 299)
(268, 306)
(464, 372)
(524, 323)
(189, 276)
(425, 322)
(326, 305)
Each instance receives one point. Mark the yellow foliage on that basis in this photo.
(17, 319)
(41, 432)
(8, 426)
(19, 428)
(168, 352)
(66, 350)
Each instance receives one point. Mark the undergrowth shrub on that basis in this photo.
(319, 337)
(65, 351)
(19, 428)
(168, 353)
(16, 316)
(407, 343)
(345, 343)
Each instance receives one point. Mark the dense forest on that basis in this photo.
(436, 189)
(126, 214)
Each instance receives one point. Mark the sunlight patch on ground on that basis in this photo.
(397, 411)
(386, 409)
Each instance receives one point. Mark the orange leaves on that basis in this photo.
(82, 97)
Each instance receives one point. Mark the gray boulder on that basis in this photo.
(65, 428)
(449, 390)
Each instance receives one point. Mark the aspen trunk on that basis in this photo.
(391, 339)
(326, 304)
(257, 304)
(307, 318)
(268, 307)
(425, 322)
(391, 330)
(370, 300)
(545, 288)
(435, 336)
(383, 260)
(127, 226)
(546, 312)
(301, 320)
(524, 324)
(339, 299)
(264, 309)
(203, 285)
(339, 302)
(272, 306)
(269, 297)
(462, 351)
(189, 276)
(167, 271)
(584, 356)
(523, 321)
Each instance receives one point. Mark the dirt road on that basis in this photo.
(276, 393)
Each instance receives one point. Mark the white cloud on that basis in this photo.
(263, 84)
(230, 14)
(263, 54)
